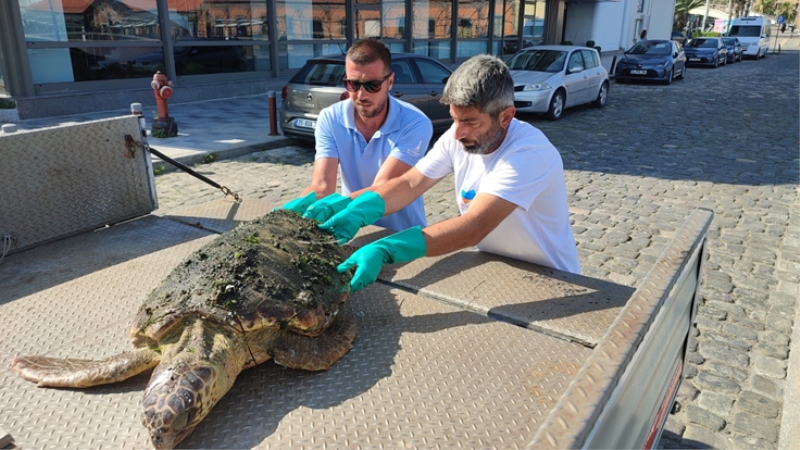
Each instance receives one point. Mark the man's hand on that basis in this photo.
(364, 210)
(299, 205)
(324, 209)
(400, 247)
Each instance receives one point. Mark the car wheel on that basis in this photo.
(670, 76)
(602, 96)
(716, 62)
(683, 73)
(556, 106)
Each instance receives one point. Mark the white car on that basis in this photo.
(550, 78)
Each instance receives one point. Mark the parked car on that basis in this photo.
(418, 80)
(678, 37)
(706, 51)
(551, 78)
(735, 49)
(658, 60)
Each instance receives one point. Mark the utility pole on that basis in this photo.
(705, 16)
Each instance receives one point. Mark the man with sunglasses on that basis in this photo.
(509, 182)
(373, 138)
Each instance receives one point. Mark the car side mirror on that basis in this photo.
(576, 69)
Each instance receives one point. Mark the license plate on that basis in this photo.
(638, 72)
(694, 59)
(305, 123)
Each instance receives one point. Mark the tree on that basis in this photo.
(767, 7)
(682, 8)
(788, 10)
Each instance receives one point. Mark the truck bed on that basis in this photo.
(466, 350)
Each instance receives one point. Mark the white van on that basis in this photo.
(753, 32)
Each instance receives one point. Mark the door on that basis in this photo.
(575, 80)
(594, 72)
(435, 75)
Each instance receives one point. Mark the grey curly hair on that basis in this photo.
(483, 82)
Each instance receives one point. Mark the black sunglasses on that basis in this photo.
(371, 86)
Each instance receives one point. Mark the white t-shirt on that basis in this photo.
(526, 170)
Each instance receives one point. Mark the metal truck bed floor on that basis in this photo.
(422, 373)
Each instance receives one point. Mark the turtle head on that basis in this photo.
(178, 397)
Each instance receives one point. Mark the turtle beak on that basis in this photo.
(174, 402)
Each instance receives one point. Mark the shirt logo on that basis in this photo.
(416, 151)
(467, 196)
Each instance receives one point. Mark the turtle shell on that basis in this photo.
(277, 271)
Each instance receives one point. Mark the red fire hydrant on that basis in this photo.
(164, 126)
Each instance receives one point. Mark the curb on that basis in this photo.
(198, 157)
(789, 436)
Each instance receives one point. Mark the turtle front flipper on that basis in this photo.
(81, 373)
(315, 353)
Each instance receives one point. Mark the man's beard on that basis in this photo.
(364, 112)
(486, 142)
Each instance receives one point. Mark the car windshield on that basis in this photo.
(650, 48)
(320, 73)
(539, 61)
(745, 31)
(702, 43)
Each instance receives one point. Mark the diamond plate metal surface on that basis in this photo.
(77, 298)
(562, 304)
(421, 374)
(221, 215)
(92, 180)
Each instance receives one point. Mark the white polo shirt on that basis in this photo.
(525, 170)
(405, 135)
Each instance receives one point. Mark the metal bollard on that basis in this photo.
(273, 114)
(136, 110)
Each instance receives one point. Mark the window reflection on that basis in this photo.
(218, 19)
(65, 20)
(304, 19)
(432, 19)
(473, 18)
(394, 19)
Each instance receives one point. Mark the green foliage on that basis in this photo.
(566, 42)
(597, 47)
(209, 158)
(7, 103)
(158, 170)
(707, 34)
(590, 43)
(788, 10)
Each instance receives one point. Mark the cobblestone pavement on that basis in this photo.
(725, 139)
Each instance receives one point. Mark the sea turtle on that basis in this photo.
(267, 289)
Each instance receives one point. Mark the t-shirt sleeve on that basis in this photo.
(414, 138)
(438, 163)
(522, 176)
(325, 137)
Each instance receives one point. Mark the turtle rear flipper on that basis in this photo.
(81, 373)
(315, 353)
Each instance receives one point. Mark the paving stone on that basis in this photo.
(770, 367)
(740, 374)
(740, 331)
(704, 417)
(755, 426)
(726, 340)
(757, 404)
(750, 443)
(697, 436)
(717, 352)
(719, 404)
(717, 383)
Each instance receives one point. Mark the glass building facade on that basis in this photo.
(89, 45)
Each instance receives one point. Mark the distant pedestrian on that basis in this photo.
(643, 35)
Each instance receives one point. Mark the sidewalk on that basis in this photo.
(226, 127)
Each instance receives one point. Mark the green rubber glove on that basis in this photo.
(325, 208)
(299, 205)
(362, 211)
(404, 246)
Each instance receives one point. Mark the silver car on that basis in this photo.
(550, 78)
(418, 80)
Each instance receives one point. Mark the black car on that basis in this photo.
(418, 80)
(657, 60)
(734, 48)
(706, 51)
